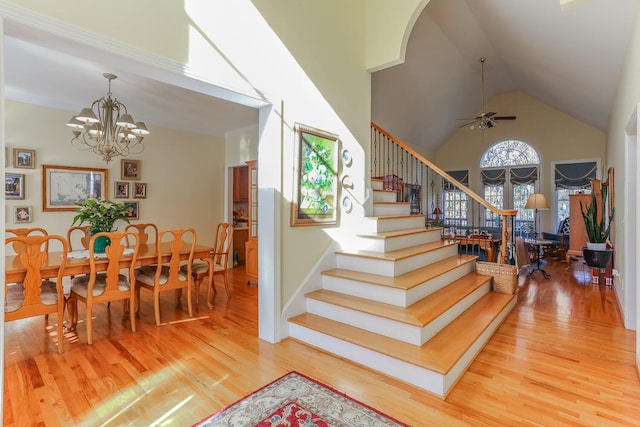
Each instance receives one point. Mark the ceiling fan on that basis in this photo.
(484, 120)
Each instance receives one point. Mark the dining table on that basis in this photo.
(147, 255)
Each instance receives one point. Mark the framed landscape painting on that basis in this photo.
(316, 177)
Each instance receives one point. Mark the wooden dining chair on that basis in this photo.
(35, 295)
(17, 246)
(200, 269)
(148, 233)
(109, 285)
(169, 276)
(84, 236)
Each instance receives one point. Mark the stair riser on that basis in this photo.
(425, 289)
(384, 196)
(391, 209)
(450, 315)
(460, 368)
(400, 242)
(393, 224)
(397, 297)
(412, 374)
(393, 296)
(400, 331)
(411, 334)
(392, 268)
(377, 185)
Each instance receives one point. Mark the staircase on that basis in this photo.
(405, 304)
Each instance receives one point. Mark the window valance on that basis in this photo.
(574, 175)
(522, 176)
(462, 176)
(493, 177)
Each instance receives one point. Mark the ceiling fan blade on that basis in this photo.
(504, 118)
(467, 124)
(489, 114)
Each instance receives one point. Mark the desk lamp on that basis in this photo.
(536, 201)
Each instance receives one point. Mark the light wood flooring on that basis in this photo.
(560, 358)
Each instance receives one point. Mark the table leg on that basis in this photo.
(537, 268)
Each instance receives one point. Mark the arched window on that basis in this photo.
(509, 171)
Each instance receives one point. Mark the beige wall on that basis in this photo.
(555, 135)
(176, 196)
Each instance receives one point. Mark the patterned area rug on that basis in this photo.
(296, 400)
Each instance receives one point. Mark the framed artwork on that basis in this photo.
(139, 190)
(121, 190)
(14, 186)
(22, 214)
(134, 210)
(24, 159)
(315, 196)
(130, 169)
(63, 186)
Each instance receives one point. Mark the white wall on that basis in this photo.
(625, 107)
(184, 172)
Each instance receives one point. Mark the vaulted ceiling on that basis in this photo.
(570, 59)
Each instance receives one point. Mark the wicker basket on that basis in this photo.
(505, 276)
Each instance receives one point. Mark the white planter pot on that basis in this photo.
(597, 246)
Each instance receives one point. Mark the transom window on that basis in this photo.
(509, 172)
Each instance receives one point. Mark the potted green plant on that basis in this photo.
(101, 215)
(598, 230)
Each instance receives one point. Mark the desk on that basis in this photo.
(488, 244)
(538, 245)
(147, 255)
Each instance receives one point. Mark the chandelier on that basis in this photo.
(107, 129)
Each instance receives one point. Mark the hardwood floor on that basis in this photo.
(561, 357)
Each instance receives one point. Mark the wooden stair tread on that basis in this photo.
(407, 280)
(385, 217)
(439, 354)
(391, 203)
(400, 253)
(397, 233)
(418, 314)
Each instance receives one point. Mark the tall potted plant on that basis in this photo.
(101, 216)
(598, 228)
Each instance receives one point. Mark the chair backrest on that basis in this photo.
(224, 240)
(179, 241)
(114, 252)
(148, 233)
(33, 257)
(522, 254)
(84, 236)
(17, 246)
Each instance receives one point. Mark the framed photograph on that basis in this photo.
(315, 196)
(134, 210)
(139, 190)
(25, 159)
(22, 214)
(121, 190)
(63, 186)
(130, 169)
(14, 186)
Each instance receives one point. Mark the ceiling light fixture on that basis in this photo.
(107, 128)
